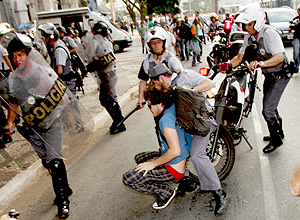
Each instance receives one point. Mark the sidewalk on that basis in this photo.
(19, 164)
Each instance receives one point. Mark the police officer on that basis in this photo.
(296, 41)
(28, 76)
(156, 42)
(208, 177)
(62, 58)
(105, 65)
(271, 57)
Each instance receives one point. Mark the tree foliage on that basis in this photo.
(163, 7)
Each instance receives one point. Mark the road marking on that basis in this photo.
(271, 211)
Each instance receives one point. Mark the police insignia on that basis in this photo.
(262, 51)
(107, 59)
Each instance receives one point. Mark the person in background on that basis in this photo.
(170, 43)
(76, 37)
(131, 27)
(183, 31)
(202, 22)
(150, 23)
(5, 64)
(296, 41)
(195, 41)
(142, 32)
(62, 57)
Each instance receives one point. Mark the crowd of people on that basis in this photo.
(166, 45)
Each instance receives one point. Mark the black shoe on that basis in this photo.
(271, 147)
(221, 202)
(186, 184)
(69, 193)
(161, 204)
(268, 138)
(63, 209)
(6, 138)
(182, 59)
(115, 130)
(2, 145)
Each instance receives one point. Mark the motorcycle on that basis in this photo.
(222, 49)
(233, 102)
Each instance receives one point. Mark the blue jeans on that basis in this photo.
(296, 47)
(184, 47)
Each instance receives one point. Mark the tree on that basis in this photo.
(139, 5)
(168, 6)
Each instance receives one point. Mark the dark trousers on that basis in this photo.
(273, 90)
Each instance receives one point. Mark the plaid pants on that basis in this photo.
(154, 183)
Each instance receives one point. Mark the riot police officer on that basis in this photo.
(27, 78)
(62, 58)
(156, 42)
(271, 57)
(105, 65)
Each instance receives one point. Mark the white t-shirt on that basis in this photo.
(3, 52)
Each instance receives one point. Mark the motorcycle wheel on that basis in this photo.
(224, 157)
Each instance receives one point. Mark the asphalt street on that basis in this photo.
(258, 186)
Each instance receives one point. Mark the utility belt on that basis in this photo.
(287, 71)
(68, 77)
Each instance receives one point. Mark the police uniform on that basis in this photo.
(3, 65)
(107, 73)
(70, 43)
(167, 58)
(276, 79)
(207, 174)
(63, 57)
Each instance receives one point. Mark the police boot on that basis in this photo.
(117, 117)
(275, 139)
(268, 138)
(186, 184)
(221, 202)
(61, 187)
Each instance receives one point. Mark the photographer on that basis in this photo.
(295, 25)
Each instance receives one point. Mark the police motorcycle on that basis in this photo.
(45, 103)
(232, 102)
(221, 48)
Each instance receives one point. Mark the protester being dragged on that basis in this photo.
(208, 178)
(156, 168)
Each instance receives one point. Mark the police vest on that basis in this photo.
(68, 67)
(262, 54)
(165, 61)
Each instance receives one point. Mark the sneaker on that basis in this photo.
(161, 204)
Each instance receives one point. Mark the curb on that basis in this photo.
(24, 179)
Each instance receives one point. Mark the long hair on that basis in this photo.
(159, 93)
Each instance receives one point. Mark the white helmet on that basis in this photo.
(252, 12)
(155, 33)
